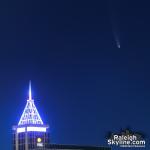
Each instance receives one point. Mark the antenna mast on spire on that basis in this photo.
(30, 92)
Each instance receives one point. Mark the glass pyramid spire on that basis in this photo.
(30, 114)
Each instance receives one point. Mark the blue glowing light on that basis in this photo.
(30, 114)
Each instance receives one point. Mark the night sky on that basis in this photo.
(83, 85)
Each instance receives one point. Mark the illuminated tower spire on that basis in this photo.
(30, 114)
(30, 133)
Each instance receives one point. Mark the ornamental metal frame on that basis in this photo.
(30, 115)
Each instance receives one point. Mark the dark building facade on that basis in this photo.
(75, 147)
(26, 140)
(32, 134)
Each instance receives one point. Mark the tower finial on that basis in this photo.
(30, 92)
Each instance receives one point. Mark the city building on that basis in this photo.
(32, 134)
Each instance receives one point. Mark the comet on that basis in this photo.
(114, 23)
(117, 42)
(116, 36)
(118, 45)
